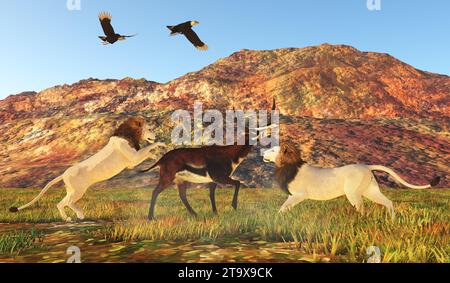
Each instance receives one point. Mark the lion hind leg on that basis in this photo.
(357, 202)
(61, 207)
(75, 191)
(374, 194)
(354, 197)
(78, 211)
(355, 187)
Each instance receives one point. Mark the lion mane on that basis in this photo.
(131, 130)
(288, 162)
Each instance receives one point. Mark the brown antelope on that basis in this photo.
(210, 165)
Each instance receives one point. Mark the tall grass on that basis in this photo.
(420, 233)
(17, 242)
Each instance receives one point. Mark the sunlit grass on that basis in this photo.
(19, 241)
(420, 233)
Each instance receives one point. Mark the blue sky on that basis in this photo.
(44, 44)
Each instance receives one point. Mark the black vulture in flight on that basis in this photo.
(111, 36)
(186, 30)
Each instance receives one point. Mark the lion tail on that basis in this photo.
(38, 197)
(397, 178)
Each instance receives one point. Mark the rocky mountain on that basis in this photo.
(342, 106)
(85, 97)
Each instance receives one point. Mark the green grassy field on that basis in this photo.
(116, 229)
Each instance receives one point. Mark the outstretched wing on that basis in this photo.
(105, 21)
(194, 39)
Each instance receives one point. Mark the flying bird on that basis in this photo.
(186, 30)
(111, 36)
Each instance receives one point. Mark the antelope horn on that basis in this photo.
(264, 128)
(263, 131)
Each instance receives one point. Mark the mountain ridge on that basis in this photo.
(346, 106)
(334, 74)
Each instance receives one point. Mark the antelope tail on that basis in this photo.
(151, 168)
(41, 194)
(397, 178)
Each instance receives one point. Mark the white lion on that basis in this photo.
(122, 151)
(303, 181)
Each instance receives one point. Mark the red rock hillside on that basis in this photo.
(341, 105)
